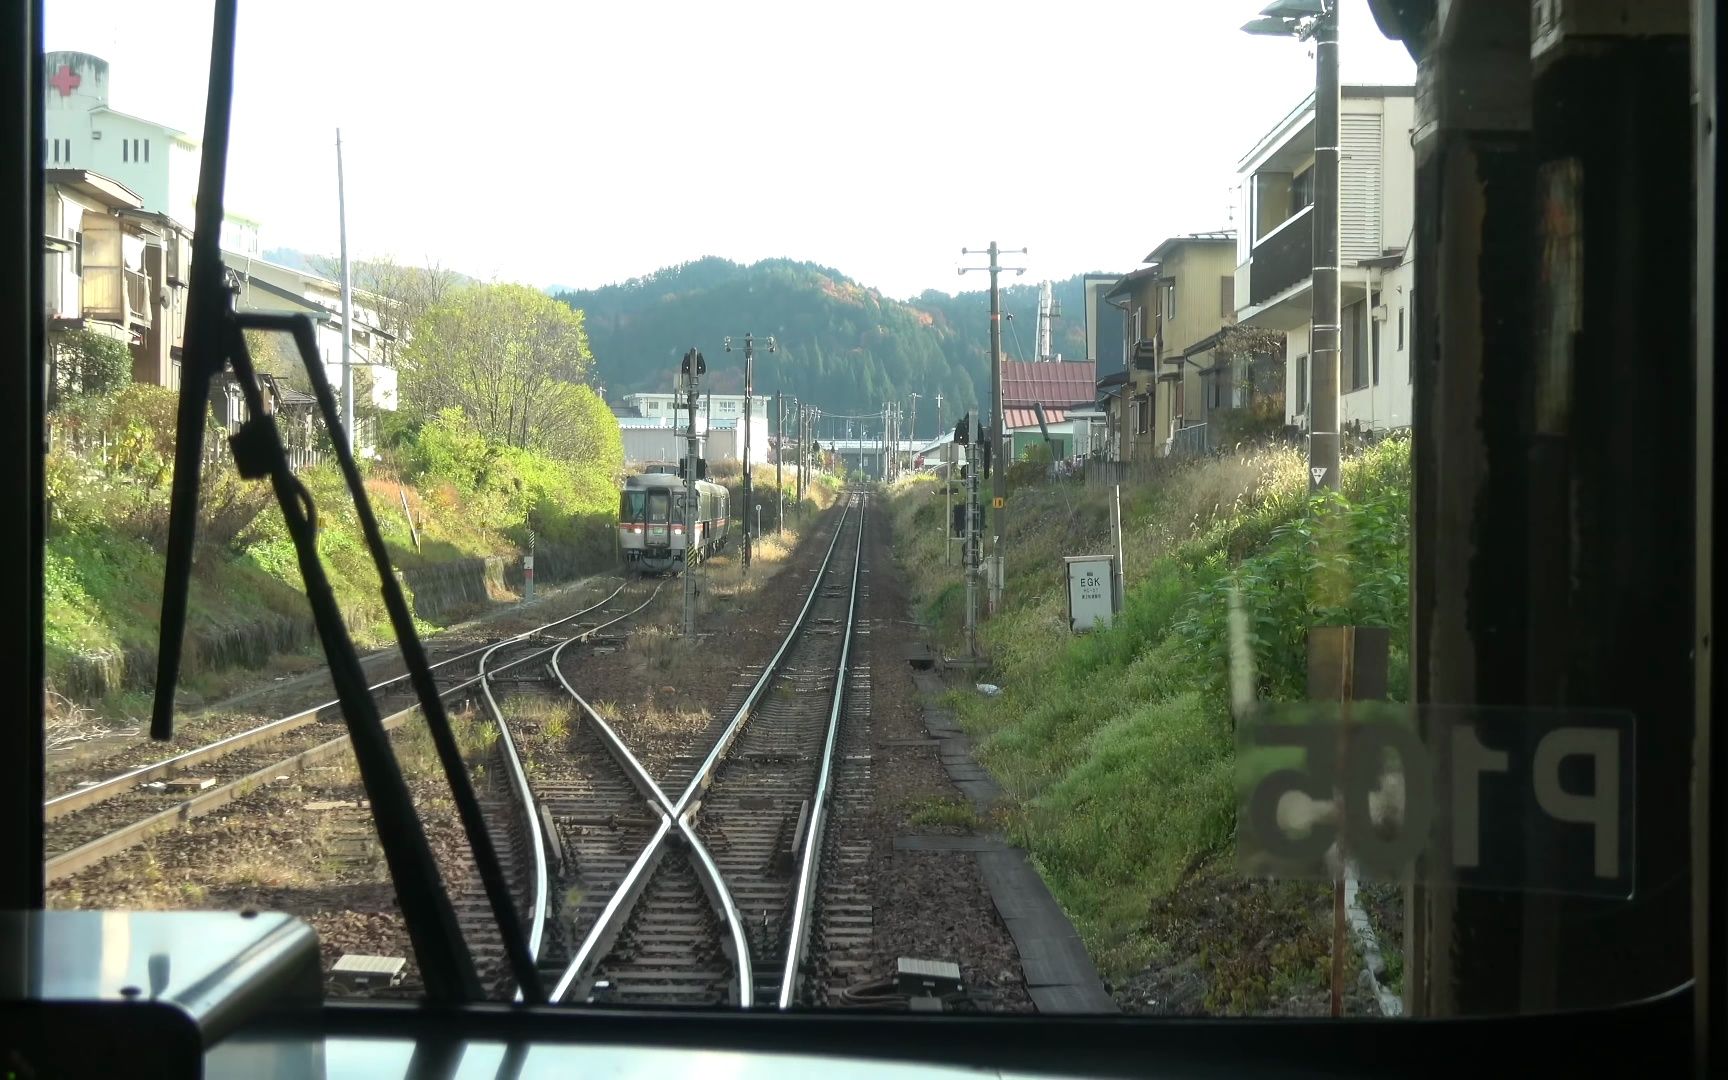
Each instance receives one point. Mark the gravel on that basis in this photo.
(285, 848)
(929, 905)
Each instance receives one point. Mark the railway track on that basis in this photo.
(708, 897)
(89, 824)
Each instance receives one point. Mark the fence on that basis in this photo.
(1191, 441)
(100, 447)
(1107, 474)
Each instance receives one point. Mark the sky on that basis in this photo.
(581, 144)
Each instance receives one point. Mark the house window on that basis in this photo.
(1374, 334)
(1353, 356)
(78, 253)
(1301, 384)
(1302, 191)
(1400, 329)
(1170, 303)
(146, 150)
(1227, 295)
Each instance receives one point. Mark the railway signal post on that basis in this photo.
(779, 455)
(689, 375)
(749, 401)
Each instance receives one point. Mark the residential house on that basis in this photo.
(1275, 251)
(267, 287)
(1111, 407)
(167, 263)
(99, 279)
(1192, 297)
(1055, 388)
(1106, 348)
(1138, 296)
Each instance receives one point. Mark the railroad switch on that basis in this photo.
(358, 971)
(926, 978)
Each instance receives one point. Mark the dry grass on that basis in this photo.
(66, 723)
(1224, 489)
(656, 652)
(725, 584)
(414, 748)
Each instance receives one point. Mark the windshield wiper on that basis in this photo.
(215, 339)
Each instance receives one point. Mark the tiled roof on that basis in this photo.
(1059, 384)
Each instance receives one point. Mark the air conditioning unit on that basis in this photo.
(1555, 23)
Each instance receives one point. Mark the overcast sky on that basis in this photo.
(581, 143)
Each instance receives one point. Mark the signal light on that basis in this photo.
(963, 429)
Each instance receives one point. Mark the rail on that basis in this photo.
(804, 900)
(86, 855)
(528, 809)
(612, 917)
(81, 798)
(529, 815)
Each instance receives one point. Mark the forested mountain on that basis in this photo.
(841, 346)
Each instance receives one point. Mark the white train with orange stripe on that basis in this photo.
(651, 521)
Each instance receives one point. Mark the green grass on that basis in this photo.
(108, 527)
(1117, 748)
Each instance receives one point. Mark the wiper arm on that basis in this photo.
(214, 338)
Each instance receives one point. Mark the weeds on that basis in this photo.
(934, 811)
(1115, 747)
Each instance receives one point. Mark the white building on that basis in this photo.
(725, 406)
(158, 162)
(728, 420)
(1275, 251)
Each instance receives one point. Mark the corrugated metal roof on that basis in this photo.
(1025, 382)
(1211, 236)
(1026, 418)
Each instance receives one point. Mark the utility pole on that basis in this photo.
(999, 488)
(974, 547)
(1324, 471)
(779, 455)
(689, 375)
(1317, 20)
(347, 304)
(749, 401)
(912, 426)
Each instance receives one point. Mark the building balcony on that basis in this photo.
(1282, 258)
(117, 295)
(1145, 355)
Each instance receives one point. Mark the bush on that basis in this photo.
(86, 365)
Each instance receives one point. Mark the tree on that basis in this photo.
(512, 359)
(397, 295)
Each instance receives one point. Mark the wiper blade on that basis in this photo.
(214, 339)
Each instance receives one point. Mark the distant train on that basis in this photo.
(651, 521)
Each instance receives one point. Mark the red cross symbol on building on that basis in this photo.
(65, 80)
